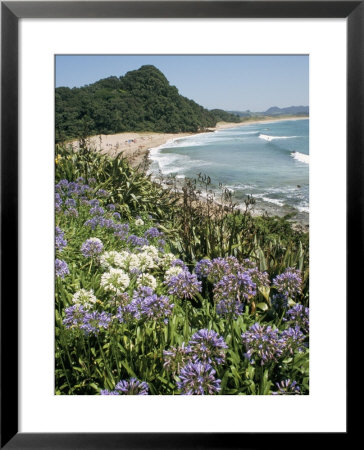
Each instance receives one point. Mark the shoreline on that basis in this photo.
(136, 148)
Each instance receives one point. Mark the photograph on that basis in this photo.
(181, 224)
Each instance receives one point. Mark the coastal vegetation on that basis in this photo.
(141, 100)
(168, 290)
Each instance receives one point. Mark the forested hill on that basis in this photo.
(142, 100)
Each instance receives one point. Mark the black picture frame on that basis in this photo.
(11, 12)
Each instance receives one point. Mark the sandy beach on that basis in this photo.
(135, 146)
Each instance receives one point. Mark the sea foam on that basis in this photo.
(266, 137)
(301, 157)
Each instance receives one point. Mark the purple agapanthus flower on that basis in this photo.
(58, 202)
(208, 347)
(147, 305)
(198, 379)
(93, 222)
(203, 268)
(152, 233)
(132, 387)
(183, 285)
(221, 267)
(261, 279)
(60, 241)
(74, 316)
(94, 202)
(61, 268)
(128, 387)
(92, 247)
(137, 241)
(97, 211)
(70, 203)
(90, 323)
(230, 308)
(262, 343)
(287, 387)
(238, 286)
(291, 340)
(121, 230)
(289, 283)
(299, 316)
(95, 321)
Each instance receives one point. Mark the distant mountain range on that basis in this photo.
(275, 111)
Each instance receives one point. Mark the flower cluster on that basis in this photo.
(229, 308)
(72, 189)
(265, 344)
(152, 233)
(238, 287)
(292, 339)
(128, 387)
(287, 387)
(299, 316)
(61, 268)
(61, 242)
(79, 317)
(145, 279)
(137, 241)
(57, 202)
(85, 298)
(113, 259)
(203, 268)
(146, 305)
(116, 281)
(183, 285)
(198, 379)
(208, 347)
(92, 247)
(288, 283)
(97, 211)
(194, 362)
(122, 230)
(262, 343)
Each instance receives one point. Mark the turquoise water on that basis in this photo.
(268, 160)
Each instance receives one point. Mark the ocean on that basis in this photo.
(269, 161)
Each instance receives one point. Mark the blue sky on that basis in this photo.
(231, 82)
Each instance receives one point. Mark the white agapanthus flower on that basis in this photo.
(139, 222)
(150, 250)
(172, 272)
(145, 279)
(84, 297)
(116, 280)
(146, 262)
(112, 259)
(133, 262)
